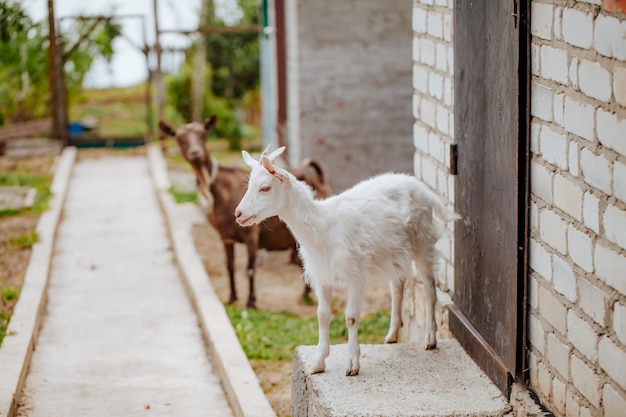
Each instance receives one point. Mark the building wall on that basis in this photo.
(577, 321)
(350, 97)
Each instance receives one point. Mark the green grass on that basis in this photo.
(6, 295)
(268, 335)
(25, 241)
(4, 323)
(182, 196)
(39, 182)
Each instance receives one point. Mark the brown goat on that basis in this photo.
(222, 188)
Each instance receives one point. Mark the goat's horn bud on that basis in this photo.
(265, 151)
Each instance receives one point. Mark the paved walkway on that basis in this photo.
(119, 335)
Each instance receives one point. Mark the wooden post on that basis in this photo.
(58, 103)
(198, 80)
(158, 75)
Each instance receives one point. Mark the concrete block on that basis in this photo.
(573, 72)
(427, 52)
(540, 260)
(614, 221)
(619, 180)
(593, 301)
(614, 402)
(573, 159)
(541, 20)
(568, 196)
(610, 267)
(420, 137)
(436, 147)
(608, 37)
(442, 121)
(558, 111)
(395, 380)
(558, 355)
(420, 78)
(559, 392)
(448, 23)
(578, 118)
(619, 321)
(580, 248)
(619, 85)
(595, 80)
(541, 182)
(611, 131)
(577, 28)
(419, 19)
(428, 113)
(536, 334)
(586, 380)
(581, 335)
(553, 311)
(441, 57)
(434, 23)
(612, 359)
(554, 64)
(591, 212)
(564, 279)
(596, 170)
(552, 229)
(558, 23)
(435, 85)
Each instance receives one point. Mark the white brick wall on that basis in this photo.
(577, 248)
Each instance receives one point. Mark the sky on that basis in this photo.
(128, 66)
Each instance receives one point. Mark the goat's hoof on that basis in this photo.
(317, 370)
(251, 305)
(431, 346)
(232, 300)
(352, 372)
(391, 340)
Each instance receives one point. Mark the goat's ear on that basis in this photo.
(249, 160)
(272, 157)
(167, 129)
(267, 164)
(210, 123)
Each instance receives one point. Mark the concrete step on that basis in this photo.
(399, 380)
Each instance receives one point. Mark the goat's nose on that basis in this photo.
(237, 213)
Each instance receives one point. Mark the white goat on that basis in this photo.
(376, 228)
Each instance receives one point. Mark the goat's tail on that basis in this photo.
(444, 213)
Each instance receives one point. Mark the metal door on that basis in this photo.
(491, 119)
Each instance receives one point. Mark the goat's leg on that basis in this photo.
(426, 267)
(230, 265)
(397, 289)
(353, 315)
(324, 294)
(252, 250)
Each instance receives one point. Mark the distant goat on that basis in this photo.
(220, 190)
(375, 229)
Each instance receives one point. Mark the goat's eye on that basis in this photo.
(265, 189)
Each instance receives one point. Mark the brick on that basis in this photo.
(578, 118)
(541, 20)
(582, 336)
(552, 229)
(613, 360)
(610, 267)
(541, 182)
(535, 130)
(448, 23)
(419, 19)
(573, 72)
(586, 381)
(591, 212)
(420, 78)
(580, 248)
(540, 260)
(619, 85)
(558, 395)
(573, 159)
(416, 102)
(441, 57)
(568, 197)
(420, 137)
(611, 131)
(596, 170)
(428, 113)
(536, 333)
(447, 92)
(427, 52)
(619, 180)
(534, 57)
(435, 147)
(553, 146)
(563, 278)
(442, 120)
(451, 61)
(577, 28)
(572, 404)
(429, 173)
(554, 64)
(416, 47)
(619, 322)
(558, 355)
(533, 296)
(609, 35)
(558, 109)
(541, 101)
(593, 301)
(614, 402)
(614, 221)
(435, 85)
(594, 80)
(553, 311)
(434, 22)
(558, 33)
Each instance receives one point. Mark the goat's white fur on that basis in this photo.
(375, 229)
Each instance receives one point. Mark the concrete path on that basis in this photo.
(119, 336)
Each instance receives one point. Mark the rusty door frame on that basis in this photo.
(467, 334)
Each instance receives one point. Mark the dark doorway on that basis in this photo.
(491, 119)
